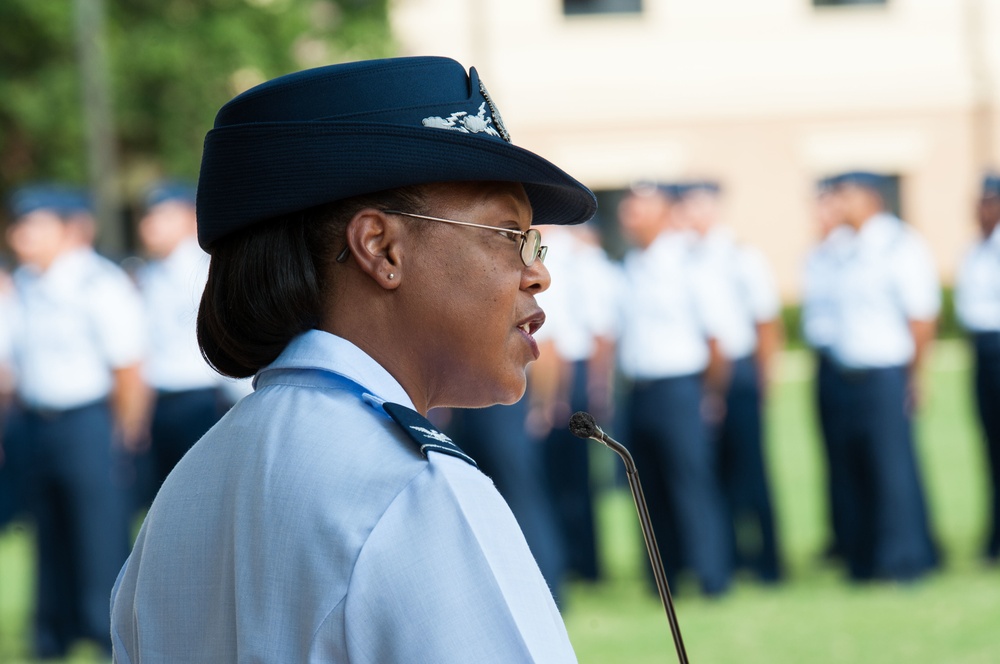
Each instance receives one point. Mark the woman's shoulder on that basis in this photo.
(318, 440)
(289, 468)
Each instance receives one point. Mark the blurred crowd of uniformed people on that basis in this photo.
(674, 346)
(104, 387)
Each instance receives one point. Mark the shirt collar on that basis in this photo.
(64, 269)
(879, 230)
(994, 237)
(671, 241)
(834, 240)
(718, 238)
(317, 350)
(187, 251)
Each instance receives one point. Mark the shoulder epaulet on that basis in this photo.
(424, 434)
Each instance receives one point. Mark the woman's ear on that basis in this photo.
(375, 241)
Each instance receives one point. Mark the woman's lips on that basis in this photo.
(528, 327)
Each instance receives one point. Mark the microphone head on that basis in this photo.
(583, 425)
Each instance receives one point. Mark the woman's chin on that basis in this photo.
(504, 392)
(513, 398)
(513, 389)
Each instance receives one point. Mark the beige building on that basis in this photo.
(764, 95)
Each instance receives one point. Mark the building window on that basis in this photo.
(847, 3)
(605, 222)
(890, 191)
(574, 7)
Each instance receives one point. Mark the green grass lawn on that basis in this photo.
(815, 617)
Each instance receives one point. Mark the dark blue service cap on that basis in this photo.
(670, 190)
(866, 179)
(991, 185)
(63, 200)
(667, 189)
(167, 191)
(649, 187)
(694, 186)
(335, 132)
(825, 185)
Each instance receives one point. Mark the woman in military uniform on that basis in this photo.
(372, 258)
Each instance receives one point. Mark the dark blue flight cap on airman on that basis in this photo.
(825, 185)
(650, 187)
(671, 191)
(865, 179)
(166, 191)
(335, 132)
(63, 200)
(991, 185)
(693, 186)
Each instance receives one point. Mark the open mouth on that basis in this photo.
(531, 325)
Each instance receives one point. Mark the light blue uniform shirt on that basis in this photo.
(307, 527)
(8, 313)
(171, 290)
(745, 292)
(76, 322)
(885, 278)
(667, 312)
(580, 305)
(977, 288)
(819, 313)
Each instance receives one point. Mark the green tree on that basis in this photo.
(173, 64)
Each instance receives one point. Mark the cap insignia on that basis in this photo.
(464, 122)
(497, 119)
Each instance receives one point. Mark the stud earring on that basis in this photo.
(391, 275)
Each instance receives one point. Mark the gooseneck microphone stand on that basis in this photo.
(583, 425)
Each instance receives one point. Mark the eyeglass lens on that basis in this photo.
(530, 245)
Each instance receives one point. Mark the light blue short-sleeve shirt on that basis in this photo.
(78, 321)
(580, 305)
(8, 313)
(171, 291)
(885, 278)
(8, 316)
(977, 287)
(667, 313)
(307, 527)
(819, 274)
(744, 292)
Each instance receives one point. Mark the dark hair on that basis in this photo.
(266, 282)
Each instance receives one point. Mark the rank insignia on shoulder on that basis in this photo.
(423, 433)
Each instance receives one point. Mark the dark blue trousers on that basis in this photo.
(497, 439)
(743, 473)
(179, 420)
(987, 387)
(829, 402)
(78, 503)
(15, 466)
(676, 462)
(888, 535)
(567, 470)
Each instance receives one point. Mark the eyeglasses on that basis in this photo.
(531, 239)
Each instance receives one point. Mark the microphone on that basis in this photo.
(583, 425)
